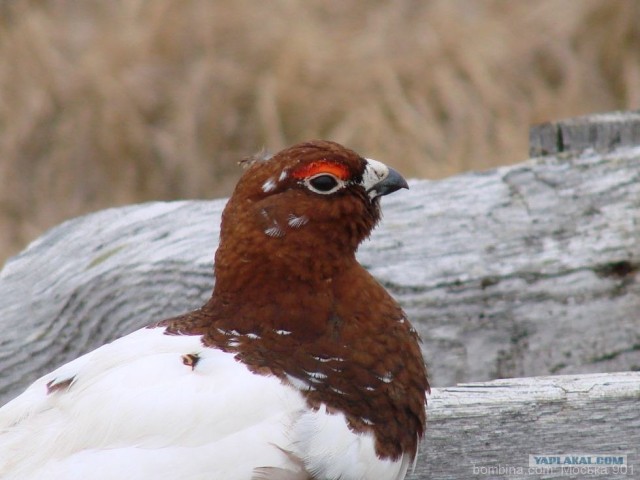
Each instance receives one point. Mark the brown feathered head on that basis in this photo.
(314, 196)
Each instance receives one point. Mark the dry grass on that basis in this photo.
(104, 103)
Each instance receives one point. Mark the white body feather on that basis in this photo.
(135, 410)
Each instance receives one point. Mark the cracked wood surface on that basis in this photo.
(600, 132)
(475, 429)
(520, 271)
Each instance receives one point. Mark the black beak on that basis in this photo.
(392, 182)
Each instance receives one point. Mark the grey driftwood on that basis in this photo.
(601, 132)
(488, 430)
(520, 271)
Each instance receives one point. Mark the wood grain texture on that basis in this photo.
(602, 132)
(476, 429)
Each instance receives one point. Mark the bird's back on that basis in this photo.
(152, 405)
(139, 408)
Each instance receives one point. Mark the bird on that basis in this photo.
(300, 366)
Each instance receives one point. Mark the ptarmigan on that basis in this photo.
(300, 366)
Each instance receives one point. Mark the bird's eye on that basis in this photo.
(323, 183)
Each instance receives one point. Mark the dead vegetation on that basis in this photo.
(104, 103)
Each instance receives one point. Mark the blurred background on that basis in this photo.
(110, 102)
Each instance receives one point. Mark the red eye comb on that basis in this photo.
(338, 170)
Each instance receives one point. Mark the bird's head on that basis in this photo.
(311, 194)
(302, 212)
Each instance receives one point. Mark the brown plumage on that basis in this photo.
(291, 300)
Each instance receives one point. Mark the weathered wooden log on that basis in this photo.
(519, 271)
(601, 132)
(488, 430)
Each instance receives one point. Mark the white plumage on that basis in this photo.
(136, 410)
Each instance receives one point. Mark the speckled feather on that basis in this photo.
(300, 366)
